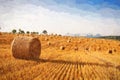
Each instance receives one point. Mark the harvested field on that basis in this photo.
(72, 63)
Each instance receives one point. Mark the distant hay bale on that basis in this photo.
(76, 48)
(99, 49)
(110, 51)
(108, 43)
(79, 42)
(51, 37)
(87, 48)
(17, 34)
(118, 67)
(68, 41)
(26, 47)
(49, 43)
(115, 50)
(62, 47)
(118, 44)
(46, 39)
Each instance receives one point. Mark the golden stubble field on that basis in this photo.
(81, 59)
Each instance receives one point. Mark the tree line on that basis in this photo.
(111, 37)
(20, 31)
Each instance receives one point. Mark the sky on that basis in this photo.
(61, 16)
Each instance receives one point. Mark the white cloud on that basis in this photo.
(37, 18)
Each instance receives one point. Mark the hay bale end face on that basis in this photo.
(26, 47)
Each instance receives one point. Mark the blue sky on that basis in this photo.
(61, 16)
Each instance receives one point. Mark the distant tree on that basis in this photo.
(28, 32)
(34, 32)
(44, 32)
(37, 32)
(14, 31)
(21, 31)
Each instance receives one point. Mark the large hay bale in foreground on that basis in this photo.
(26, 47)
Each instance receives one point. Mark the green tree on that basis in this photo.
(44, 32)
(28, 32)
(37, 32)
(14, 31)
(34, 32)
(21, 31)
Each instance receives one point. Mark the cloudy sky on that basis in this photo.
(61, 16)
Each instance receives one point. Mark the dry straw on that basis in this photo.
(26, 47)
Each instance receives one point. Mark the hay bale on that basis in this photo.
(62, 47)
(110, 51)
(87, 48)
(48, 43)
(79, 42)
(76, 48)
(46, 39)
(118, 44)
(68, 41)
(114, 50)
(26, 47)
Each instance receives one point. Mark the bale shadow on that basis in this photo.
(77, 63)
(107, 65)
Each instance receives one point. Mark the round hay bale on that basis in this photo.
(62, 47)
(76, 48)
(87, 48)
(26, 47)
(79, 42)
(46, 39)
(49, 43)
(110, 51)
(115, 50)
(118, 44)
(68, 41)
